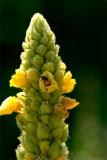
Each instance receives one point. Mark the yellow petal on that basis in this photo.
(10, 105)
(68, 83)
(69, 103)
(65, 104)
(19, 79)
(47, 82)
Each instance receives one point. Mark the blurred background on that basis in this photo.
(81, 31)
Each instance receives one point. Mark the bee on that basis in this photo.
(46, 80)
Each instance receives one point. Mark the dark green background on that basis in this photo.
(81, 31)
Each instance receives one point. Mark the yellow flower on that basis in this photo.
(10, 105)
(19, 79)
(68, 83)
(68, 103)
(47, 82)
(64, 105)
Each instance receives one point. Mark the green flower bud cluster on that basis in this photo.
(42, 106)
(44, 132)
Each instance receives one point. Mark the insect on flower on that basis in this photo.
(46, 80)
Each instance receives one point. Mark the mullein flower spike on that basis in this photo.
(42, 106)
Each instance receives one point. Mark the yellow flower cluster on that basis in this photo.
(47, 84)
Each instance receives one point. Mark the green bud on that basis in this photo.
(45, 96)
(50, 56)
(41, 50)
(65, 133)
(55, 121)
(51, 45)
(28, 35)
(26, 64)
(57, 62)
(33, 75)
(28, 143)
(23, 56)
(44, 147)
(57, 133)
(59, 76)
(29, 54)
(49, 66)
(35, 34)
(54, 150)
(44, 39)
(30, 128)
(50, 34)
(57, 47)
(34, 95)
(55, 97)
(38, 61)
(25, 45)
(42, 131)
(34, 106)
(21, 121)
(38, 23)
(45, 119)
(31, 117)
(45, 108)
(33, 44)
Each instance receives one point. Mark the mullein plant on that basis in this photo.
(41, 107)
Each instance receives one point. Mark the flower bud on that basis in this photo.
(65, 133)
(25, 45)
(54, 150)
(59, 75)
(50, 56)
(38, 61)
(25, 64)
(28, 143)
(49, 66)
(44, 108)
(55, 121)
(42, 131)
(45, 119)
(33, 44)
(33, 75)
(44, 39)
(41, 50)
(57, 132)
(44, 147)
